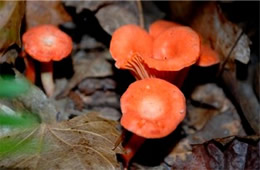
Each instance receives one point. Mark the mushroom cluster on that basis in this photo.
(153, 106)
(166, 52)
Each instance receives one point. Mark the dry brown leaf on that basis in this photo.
(211, 95)
(199, 116)
(226, 153)
(11, 14)
(45, 12)
(85, 142)
(117, 14)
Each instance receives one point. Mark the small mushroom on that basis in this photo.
(47, 43)
(151, 108)
(129, 45)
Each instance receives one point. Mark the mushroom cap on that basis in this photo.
(208, 56)
(47, 42)
(175, 49)
(152, 108)
(159, 26)
(129, 41)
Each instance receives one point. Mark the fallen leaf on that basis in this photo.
(212, 95)
(226, 153)
(45, 12)
(219, 126)
(117, 14)
(11, 14)
(90, 85)
(199, 117)
(100, 98)
(108, 113)
(89, 43)
(85, 142)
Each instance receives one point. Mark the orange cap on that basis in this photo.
(129, 41)
(47, 42)
(152, 108)
(175, 49)
(159, 26)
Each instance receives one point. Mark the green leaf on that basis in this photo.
(27, 120)
(11, 14)
(12, 87)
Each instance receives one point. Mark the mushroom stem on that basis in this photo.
(30, 69)
(180, 77)
(47, 77)
(131, 147)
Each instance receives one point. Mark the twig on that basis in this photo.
(140, 13)
(229, 54)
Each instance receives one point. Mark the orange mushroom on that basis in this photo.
(159, 26)
(174, 50)
(207, 57)
(151, 108)
(47, 43)
(129, 45)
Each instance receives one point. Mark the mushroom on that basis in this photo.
(47, 43)
(207, 57)
(174, 51)
(134, 49)
(129, 45)
(151, 108)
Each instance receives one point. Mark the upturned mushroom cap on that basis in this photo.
(47, 42)
(159, 26)
(152, 108)
(128, 42)
(175, 49)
